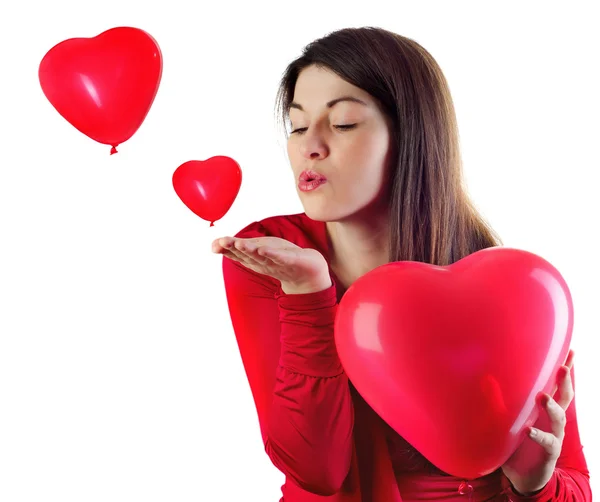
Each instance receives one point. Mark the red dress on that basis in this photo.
(317, 430)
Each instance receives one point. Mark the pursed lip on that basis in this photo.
(310, 175)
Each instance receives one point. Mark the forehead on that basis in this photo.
(317, 86)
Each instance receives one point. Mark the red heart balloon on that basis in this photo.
(453, 357)
(208, 187)
(105, 85)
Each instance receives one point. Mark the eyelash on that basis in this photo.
(342, 127)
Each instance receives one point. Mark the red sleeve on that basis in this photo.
(571, 479)
(300, 390)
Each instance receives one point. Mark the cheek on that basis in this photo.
(368, 157)
(292, 152)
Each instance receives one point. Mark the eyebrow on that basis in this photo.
(332, 102)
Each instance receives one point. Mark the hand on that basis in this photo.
(300, 270)
(530, 468)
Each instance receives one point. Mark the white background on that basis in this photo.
(120, 377)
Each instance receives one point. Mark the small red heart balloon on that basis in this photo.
(104, 86)
(208, 188)
(453, 357)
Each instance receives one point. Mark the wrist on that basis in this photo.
(307, 287)
(526, 491)
(526, 494)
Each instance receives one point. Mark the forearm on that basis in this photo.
(566, 485)
(309, 435)
(310, 427)
(313, 286)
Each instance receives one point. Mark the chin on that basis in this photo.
(316, 212)
(316, 215)
(324, 212)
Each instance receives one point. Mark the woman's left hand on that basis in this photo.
(530, 468)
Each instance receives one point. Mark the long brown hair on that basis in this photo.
(431, 218)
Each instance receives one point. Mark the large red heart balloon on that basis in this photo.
(208, 188)
(453, 357)
(105, 85)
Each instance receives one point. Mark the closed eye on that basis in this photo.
(341, 127)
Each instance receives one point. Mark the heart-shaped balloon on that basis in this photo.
(208, 187)
(105, 85)
(453, 357)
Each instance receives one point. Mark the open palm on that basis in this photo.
(277, 258)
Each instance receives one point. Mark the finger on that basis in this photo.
(234, 257)
(225, 246)
(240, 255)
(216, 246)
(254, 254)
(557, 416)
(549, 442)
(221, 244)
(560, 375)
(569, 361)
(277, 256)
(565, 392)
(280, 256)
(249, 251)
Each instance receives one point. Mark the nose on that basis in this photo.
(312, 146)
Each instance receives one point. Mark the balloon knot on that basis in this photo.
(212, 223)
(113, 150)
(466, 488)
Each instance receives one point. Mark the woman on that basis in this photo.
(374, 147)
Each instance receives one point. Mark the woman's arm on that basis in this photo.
(570, 481)
(299, 388)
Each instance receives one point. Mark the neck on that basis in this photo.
(358, 245)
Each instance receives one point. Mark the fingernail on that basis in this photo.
(533, 432)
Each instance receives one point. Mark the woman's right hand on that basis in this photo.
(300, 270)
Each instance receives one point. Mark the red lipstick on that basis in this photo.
(310, 180)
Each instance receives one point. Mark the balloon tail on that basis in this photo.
(212, 223)
(113, 150)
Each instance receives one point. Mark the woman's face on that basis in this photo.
(355, 160)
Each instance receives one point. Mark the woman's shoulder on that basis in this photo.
(297, 228)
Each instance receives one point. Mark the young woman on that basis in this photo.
(374, 148)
